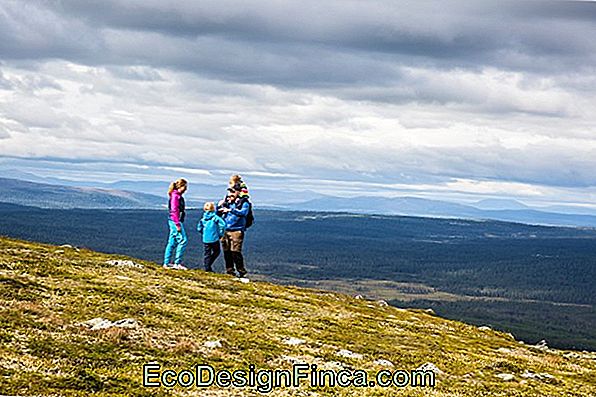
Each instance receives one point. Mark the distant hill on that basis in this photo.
(414, 206)
(197, 193)
(390, 206)
(77, 322)
(55, 196)
(500, 204)
(150, 194)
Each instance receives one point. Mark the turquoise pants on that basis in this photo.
(177, 241)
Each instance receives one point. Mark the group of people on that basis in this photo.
(222, 225)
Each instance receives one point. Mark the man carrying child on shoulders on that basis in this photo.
(235, 210)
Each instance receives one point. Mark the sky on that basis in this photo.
(451, 100)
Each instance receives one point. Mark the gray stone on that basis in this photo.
(429, 367)
(384, 363)
(212, 344)
(99, 323)
(349, 354)
(294, 341)
(130, 323)
(125, 263)
(538, 376)
(505, 377)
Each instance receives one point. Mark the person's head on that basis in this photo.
(232, 193)
(235, 179)
(181, 185)
(209, 206)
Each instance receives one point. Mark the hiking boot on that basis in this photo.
(242, 274)
(178, 266)
(168, 266)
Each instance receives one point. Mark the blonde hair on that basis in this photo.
(209, 206)
(235, 179)
(177, 185)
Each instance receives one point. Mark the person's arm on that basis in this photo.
(200, 226)
(221, 226)
(220, 206)
(243, 211)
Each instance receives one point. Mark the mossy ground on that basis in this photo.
(47, 291)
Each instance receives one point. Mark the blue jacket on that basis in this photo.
(211, 226)
(236, 218)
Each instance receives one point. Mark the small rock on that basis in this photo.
(528, 375)
(130, 323)
(485, 328)
(243, 280)
(539, 376)
(430, 311)
(59, 251)
(214, 344)
(504, 350)
(98, 323)
(505, 377)
(124, 263)
(291, 359)
(231, 323)
(358, 297)
(66, 246)
(542, 345)
(349, 354)
(334, 365)
(429, 367)
(510, 336)
(384, 363)
(294, 341)
(382, 303)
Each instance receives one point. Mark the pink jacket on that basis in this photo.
(175, 206)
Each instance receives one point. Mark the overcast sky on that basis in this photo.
(429, 98)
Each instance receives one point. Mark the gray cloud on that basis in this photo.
(380, 91)
(305, 43)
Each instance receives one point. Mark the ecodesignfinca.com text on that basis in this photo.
(266, 380)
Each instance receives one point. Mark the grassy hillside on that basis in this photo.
(535, 282)
(181, 319)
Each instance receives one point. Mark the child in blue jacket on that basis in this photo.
(212, 227)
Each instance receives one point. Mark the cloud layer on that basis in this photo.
(497, 93)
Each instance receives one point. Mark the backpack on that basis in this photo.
(250, 217)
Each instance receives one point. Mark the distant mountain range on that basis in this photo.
(55, 196)
(150, 194)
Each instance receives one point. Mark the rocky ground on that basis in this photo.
(75, 322)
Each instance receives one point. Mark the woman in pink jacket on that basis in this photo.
(177, 240)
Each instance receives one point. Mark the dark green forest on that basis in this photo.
(536, 282)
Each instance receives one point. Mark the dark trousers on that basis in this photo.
(234, 259)
(212, 251)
